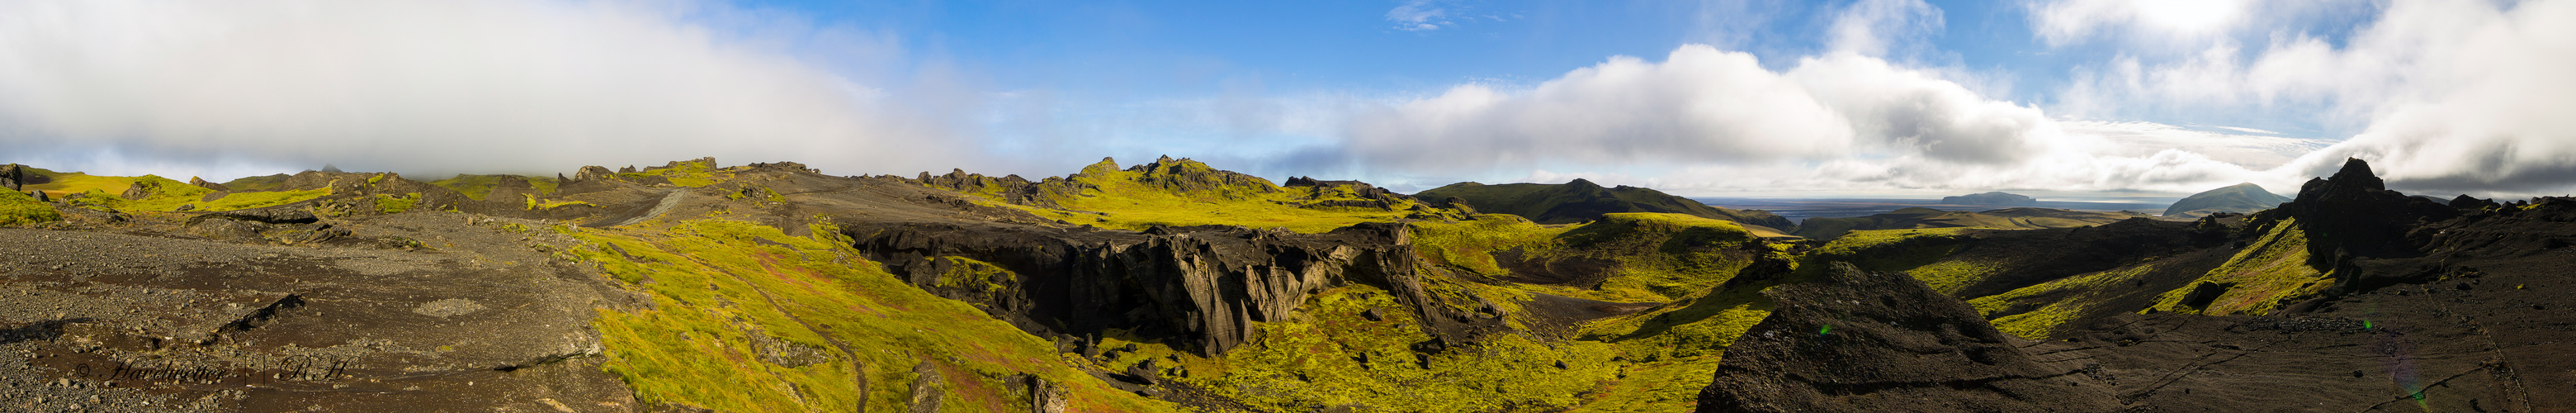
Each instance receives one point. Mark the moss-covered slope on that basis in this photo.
(1580, 200)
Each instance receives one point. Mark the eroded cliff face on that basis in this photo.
(1207, 284)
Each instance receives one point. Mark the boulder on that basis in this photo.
(10, 176)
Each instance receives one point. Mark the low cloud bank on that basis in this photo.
(446, 86)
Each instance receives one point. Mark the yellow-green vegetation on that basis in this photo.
(478, 186)
(1658, 256)
(18, 208)
(1137, 200)
(2036, 311)
(1675, 348)
(686, 173)
(168, 195)
(1470, 245)
(67, 183)
(726, 293)
(257, 183)
(1917, 218)
(1920, 252)
(2271, 272)
(247, 200)
(395, 204)
(1333, 356)
(1670, 351)
(165, 195)
(535, 204)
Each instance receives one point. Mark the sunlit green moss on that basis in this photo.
(2039, 310)
(724, 291)
(1137, 200)
(18, 209)
(394, 204)
(67, 183)
(247, 200)
(479, 186)
(1335, 357)
(2271, 272)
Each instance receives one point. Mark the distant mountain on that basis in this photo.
(1989, 198)
(2239, 198)
(1916, 218)
(1581, 200)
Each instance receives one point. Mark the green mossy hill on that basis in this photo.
(746, 318)
(1184, 192)
(58, 184)
(1581, 200)
(1623, 257)
(257, 183)
(479, 186)
(1918, 217)
(1356, 349)
(2238, 198)
(19, 209)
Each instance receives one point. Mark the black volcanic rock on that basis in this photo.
(1205, 284)
(1989, 198)
(2353, 215)
(2239, 198)
(1580, 200)
(2471, 203)
(11, 176)
(1858, 341)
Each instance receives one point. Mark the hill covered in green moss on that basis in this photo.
(1580, 200)
(1177, 286)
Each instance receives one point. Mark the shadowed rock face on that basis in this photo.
(2353, 214)
(1859, 341)
(1205, 284)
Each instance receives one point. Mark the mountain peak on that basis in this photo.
(2356, 172)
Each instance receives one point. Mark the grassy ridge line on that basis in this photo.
(1140, 199)
(2271, 272)
(728, 296)
(478, 186)
(2073, 297)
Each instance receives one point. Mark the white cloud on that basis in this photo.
(1868, 27)
(2448, 96)
(1418, 15)
(448, 86)
(2062, 22)
(1716, 121)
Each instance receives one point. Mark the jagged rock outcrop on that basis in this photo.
(593, 173)
(1370, 196)
(1010, 189)
(202, 183)
(11, 175)
(1858, 341)
(142, 188)
(2352, 215)
(1207, 285)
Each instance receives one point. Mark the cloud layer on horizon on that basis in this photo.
(449, 86)
(2441, 96)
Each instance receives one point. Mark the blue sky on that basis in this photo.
(1714, 98)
